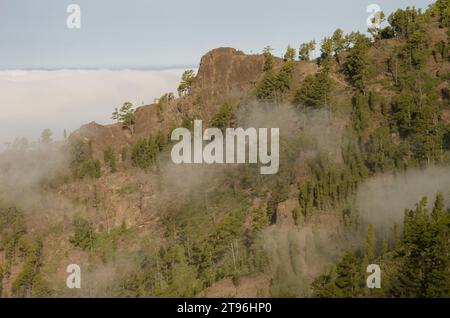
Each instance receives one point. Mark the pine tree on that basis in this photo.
(424, 271)
(127, 117)
(375, 29)
(109, 157)
(384, 247)
(395, 236)
(360, 112)
(439, 208)
(187, 79)
(315, 91)
(326, 54)
(305, 50)
(349, 277)
(356, 64)
(46, 136)
(260, 220)
(115, 115)
(268, 59)
(289, 55)
(338, 44)
(324, 286)
(225, 118)
(439, 273)
(370, 244)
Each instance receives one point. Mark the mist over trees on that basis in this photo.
(367, 106)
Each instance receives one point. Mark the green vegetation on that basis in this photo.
(356, 65)
(109, 157)
(125, 115)
(200, 250)
(29, 281)
(225, 118)
(46, 136)
(275, 85)
(268, 59)
(289, 55)
(144, 152)
(162, 102)
(129, 188)
(102, 244)
(314, 91)
(81, 163)
(187, 78)
(12, 228)
(17, 245)
(79, 152)
(416, 266)
(84, 235)
(305, 50)
(90, 168)
(386, 99)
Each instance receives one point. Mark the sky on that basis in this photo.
(155, 34)
(55, 77)
(31, 101)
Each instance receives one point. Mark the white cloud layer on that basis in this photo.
(31, 101)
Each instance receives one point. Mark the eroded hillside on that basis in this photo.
(138, 225)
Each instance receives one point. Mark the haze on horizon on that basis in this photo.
(66, 99)
(142, 34)
(136, 50)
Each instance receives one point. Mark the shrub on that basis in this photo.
(90, 168)
(110, 159)
(84, 236)
(144, 151)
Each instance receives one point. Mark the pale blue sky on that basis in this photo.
(155, 34)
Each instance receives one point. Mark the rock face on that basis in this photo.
(227, 72)
(99, 137)
(224, 75)
(285, 212)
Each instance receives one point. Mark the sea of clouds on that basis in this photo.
(32, 100)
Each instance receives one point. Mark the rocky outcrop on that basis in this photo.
(227, 72)
(224, 75)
